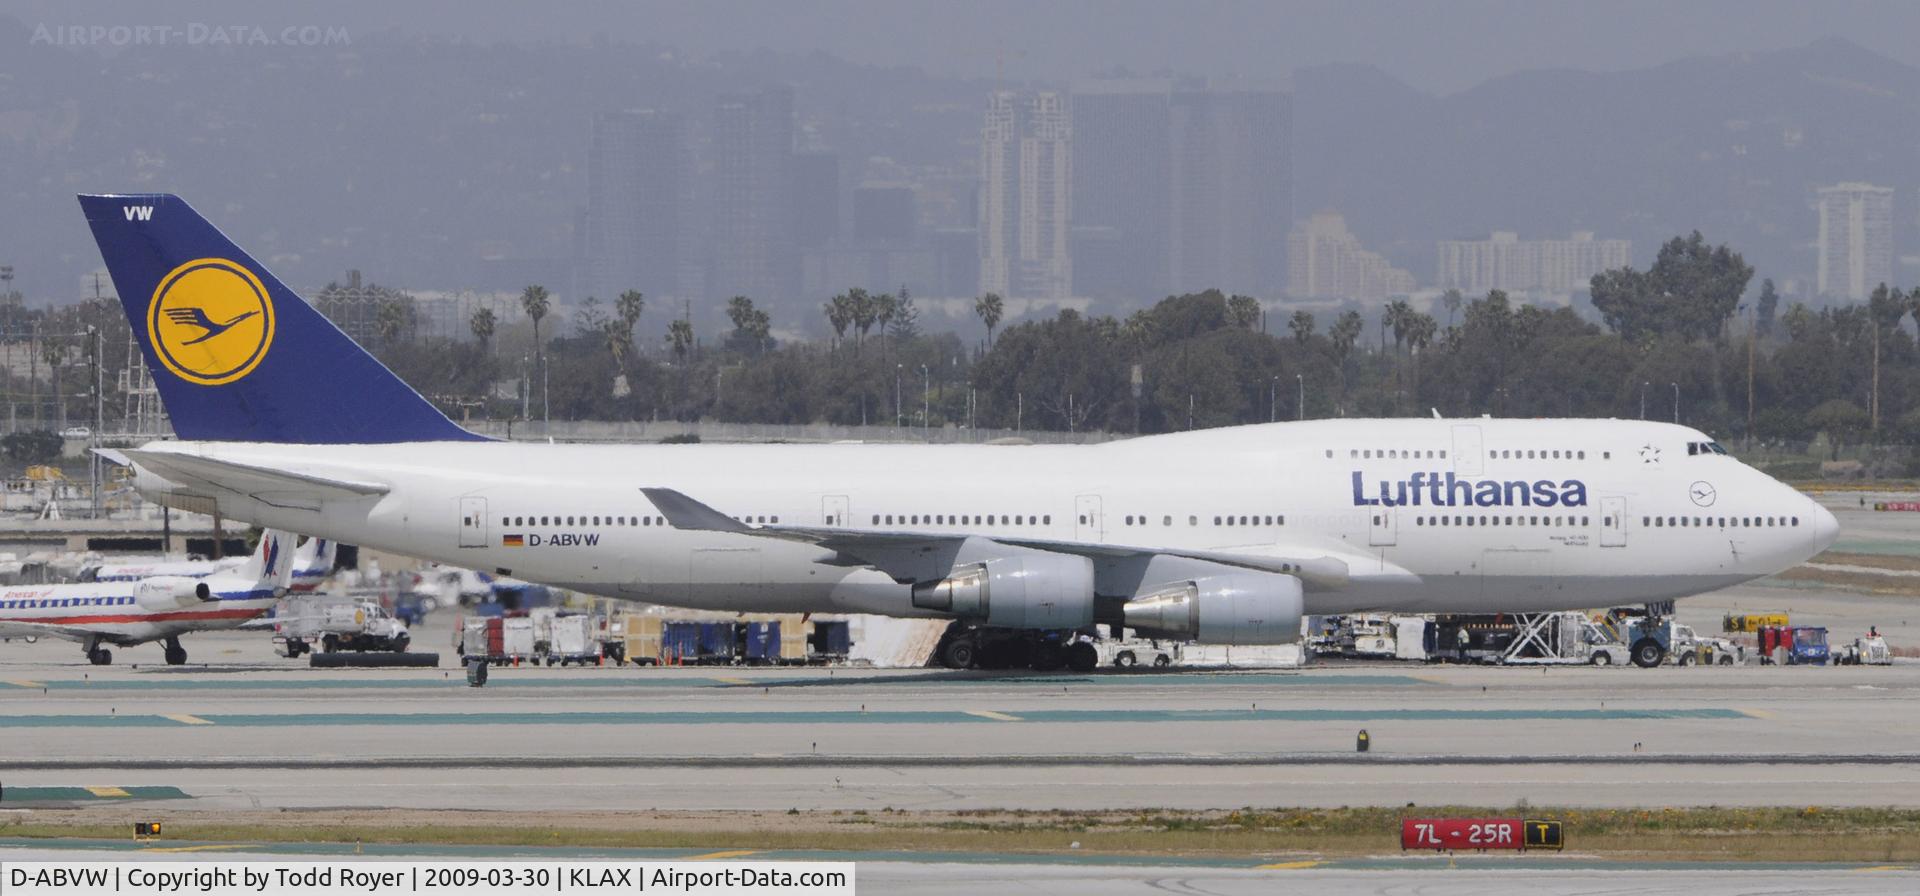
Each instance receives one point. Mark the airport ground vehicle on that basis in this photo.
(1128, 653)
(967, 646)
(1870, 650)
(1750, 623)
(1796, 645)
(335, 625)
(568, 638)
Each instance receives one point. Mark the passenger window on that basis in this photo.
(1193, 520)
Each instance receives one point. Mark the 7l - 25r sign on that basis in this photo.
(1453, 834)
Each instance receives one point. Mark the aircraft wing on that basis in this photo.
(281, 488)
(908, 555)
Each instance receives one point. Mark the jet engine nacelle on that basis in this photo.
(171, 593)
(1032, 590)
(1229, 608)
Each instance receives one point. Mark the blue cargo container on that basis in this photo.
(716, 641)
(680, 641)
(763, 642)
(831, 639)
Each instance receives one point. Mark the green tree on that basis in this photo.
(1244, 310)
(1690, 292)
(1767, 306)
(483, 323)
(1302, 325)
(535, 301)
(752, 329)
(1453, 300)
(989, 308)
(1345, 333)
(839, 311)
(680, 339)
(1843, 421)
(905, 322)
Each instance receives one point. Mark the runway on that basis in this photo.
(257, 731)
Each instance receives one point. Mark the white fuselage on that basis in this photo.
(109, 613)
(1428, 515)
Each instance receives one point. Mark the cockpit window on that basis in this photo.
(1694, 448)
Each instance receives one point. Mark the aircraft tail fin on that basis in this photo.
(236, 355)
(271, 565)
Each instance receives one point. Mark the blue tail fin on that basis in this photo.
(236, 355)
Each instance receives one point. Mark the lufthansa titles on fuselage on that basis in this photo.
(1449, 490)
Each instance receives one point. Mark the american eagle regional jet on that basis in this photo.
(1226, 535)
(160, 608)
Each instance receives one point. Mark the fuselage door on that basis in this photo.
(833, 512)
(1613, 522)
(1380, 531)
(1466, 450)
(473, 522)
(1086, 518)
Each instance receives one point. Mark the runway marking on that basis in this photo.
(723, 854)
(990, 714)
(204, 847)
(23, 683)
(733, 681)
(1886, 868)
(849, 717)
(1757, 713)
(1287, 866)
(185, 719)
(108, 791)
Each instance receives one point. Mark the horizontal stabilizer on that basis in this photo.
(211, 476)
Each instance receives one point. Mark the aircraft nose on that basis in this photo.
(1826, 529)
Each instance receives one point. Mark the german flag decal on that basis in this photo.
(512, 541)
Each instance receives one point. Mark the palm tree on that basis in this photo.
(989, 307)
(1301, 323)
(839, 310)
(1244, 310)
(1345, 332)
(680, 338)
(865, 312)
(483, 323)
(1399, 318)
(535, 300)
(628, 307)
(1452, 299)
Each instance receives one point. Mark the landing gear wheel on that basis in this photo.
(175, 654)
(100, 656)
(1726, 659)
(1082, 657)
(959, 654)
(1047, 657)
(1126, 660)
(1162, 661)
(1601, 659)
(1647, 653)
(1688, 659)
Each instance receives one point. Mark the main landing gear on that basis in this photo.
(175, 654)
(97, 655)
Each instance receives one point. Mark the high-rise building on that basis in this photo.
(884, 213)
(752, 240)
(1326, 261)
(1231, 190)
(1506, 262)
(1856, 240)
(1026, 198)
(639, 179)
(1121, 173)
(816, 198)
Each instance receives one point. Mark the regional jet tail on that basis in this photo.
(1224, 536)
(156, 608)
(312, 563)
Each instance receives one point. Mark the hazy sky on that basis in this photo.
(1440, 47)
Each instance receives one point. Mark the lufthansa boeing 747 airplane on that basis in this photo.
(1225, 535)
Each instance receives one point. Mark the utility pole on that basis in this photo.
(1676, 401)
(1643, 400)
(926, 401)
(899, 419)
(1301, 378)
(1273, 398)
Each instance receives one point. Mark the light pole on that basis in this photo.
(1302, 407)
(1273, 400)
(898, 419)
(1643, 401)
(926, 406)
(1676, 401)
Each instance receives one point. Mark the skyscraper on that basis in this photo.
(1026, 199)
(639, 177)
(1231, 189)
(1856, 239)
(1326, 261)
(1121, 171)
(753, 218)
